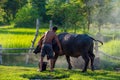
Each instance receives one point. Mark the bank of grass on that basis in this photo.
(28, 73)
(112, 48)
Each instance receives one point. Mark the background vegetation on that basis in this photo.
(66, 13)
(17, 30)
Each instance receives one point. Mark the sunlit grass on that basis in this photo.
(18, 41)
(112, 47)
(27, 73)
(18, 37)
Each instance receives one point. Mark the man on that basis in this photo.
(46, 46)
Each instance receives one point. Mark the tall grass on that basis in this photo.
(18, 37)
(15, 41)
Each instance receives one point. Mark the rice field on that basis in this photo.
(11, 37)
(18, 37)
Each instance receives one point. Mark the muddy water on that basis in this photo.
(20, 59)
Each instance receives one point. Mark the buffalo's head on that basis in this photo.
(37, 49)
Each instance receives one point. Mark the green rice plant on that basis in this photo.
(15, 41)
(18, 37)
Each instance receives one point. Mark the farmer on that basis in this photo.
(46, 46)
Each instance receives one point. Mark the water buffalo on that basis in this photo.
(75, 46)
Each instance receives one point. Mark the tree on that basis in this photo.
(11, 7)
(102, 10)
(40, 6)
(2, 13)
(69, 15)
(88, 12)
(26, 16)
(55, 11)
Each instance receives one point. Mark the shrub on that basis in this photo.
(26, 16)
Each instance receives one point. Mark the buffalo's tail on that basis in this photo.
(97, 41)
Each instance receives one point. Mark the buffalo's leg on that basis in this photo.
(86, 59)
(92, 56)
(51, 64)
(68, 60)
(55, 58)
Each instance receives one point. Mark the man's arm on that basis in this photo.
(58, 43)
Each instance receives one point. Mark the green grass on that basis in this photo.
(112, 47)
(18, 37)
(27, 73)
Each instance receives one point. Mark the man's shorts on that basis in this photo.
(47, 50)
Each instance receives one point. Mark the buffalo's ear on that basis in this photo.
(37, 49)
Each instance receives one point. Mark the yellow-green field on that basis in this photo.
(18, 37)
(28, 73)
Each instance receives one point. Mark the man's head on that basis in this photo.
(54, 28)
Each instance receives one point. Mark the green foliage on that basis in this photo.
(2, 13)
(55, 11)
(26, 16)
(39, 5)
(70, 14)
(27, 73)
(67, 13)
(10, 8)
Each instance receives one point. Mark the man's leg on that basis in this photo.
(41, 63)
(51, 64)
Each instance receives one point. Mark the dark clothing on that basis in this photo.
(47, 50)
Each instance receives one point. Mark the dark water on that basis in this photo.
(20, 60)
